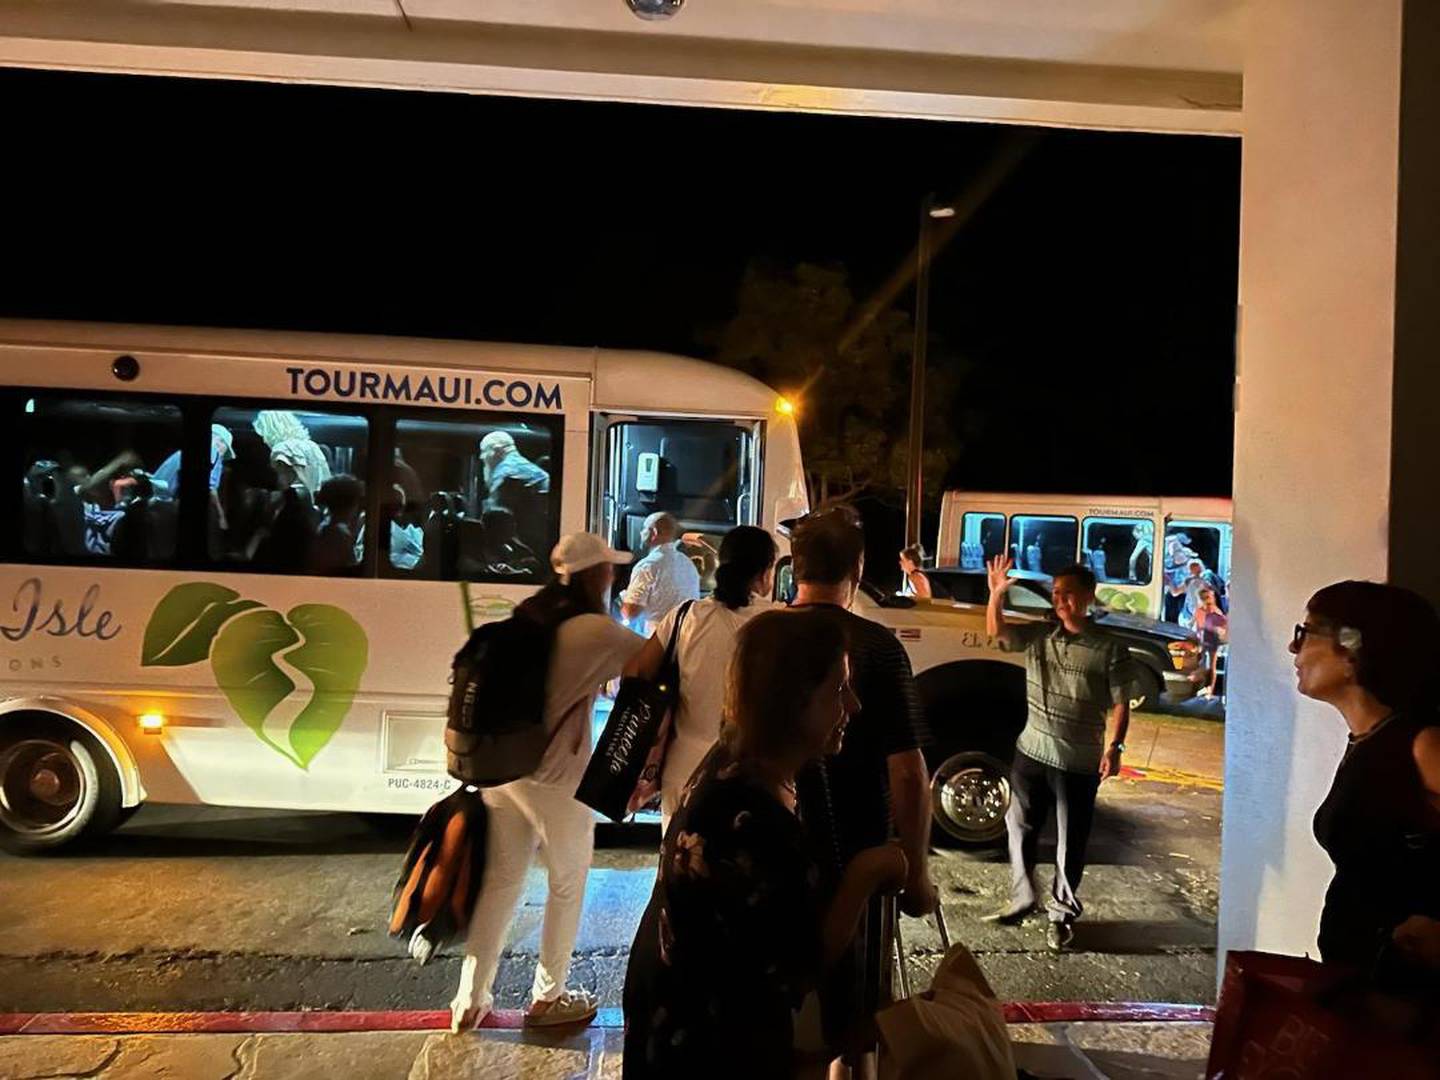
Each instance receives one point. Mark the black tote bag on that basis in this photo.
(641, 707)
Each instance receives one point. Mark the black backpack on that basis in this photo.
(495, 725)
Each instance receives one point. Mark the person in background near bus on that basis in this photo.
(1213, 628)
(744, 580)
(540, 811)
(1197, 579)
(879, 777)
(513, 482)
(1369, 650)
(738, 927)
(913, 581)
(661, 581)
(1076, 676)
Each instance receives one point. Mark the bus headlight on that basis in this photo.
(152, 723)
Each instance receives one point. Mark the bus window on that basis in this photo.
(1187, 542)
(92, 486)
(1042, 543)
(1121, 551)
(702, 471)
(471, 500)
(982, 537)
(292, 499)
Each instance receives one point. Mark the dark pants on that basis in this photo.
(1034, 790)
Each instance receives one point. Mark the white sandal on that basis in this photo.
(462, 1020)
(571, 1007)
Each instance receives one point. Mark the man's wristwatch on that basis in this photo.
(1120, 746)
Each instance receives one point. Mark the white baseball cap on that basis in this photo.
(581, 551)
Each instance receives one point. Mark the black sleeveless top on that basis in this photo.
(1383, 835)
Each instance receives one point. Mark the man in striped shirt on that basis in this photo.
(1078, 678)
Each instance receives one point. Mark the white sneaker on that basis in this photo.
(571, 1007)
(421, 947)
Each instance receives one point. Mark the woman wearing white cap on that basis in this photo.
(540, 811)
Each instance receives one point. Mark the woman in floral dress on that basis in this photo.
(735, 932)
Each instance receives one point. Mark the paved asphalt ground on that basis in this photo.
(233, 909)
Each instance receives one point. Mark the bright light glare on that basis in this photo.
(942, 211)
(785, 407)
(152, 722)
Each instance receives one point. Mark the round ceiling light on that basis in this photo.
(655, 9)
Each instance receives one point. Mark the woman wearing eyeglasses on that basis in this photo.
(1371, 651)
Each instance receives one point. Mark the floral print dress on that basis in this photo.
(730, 942)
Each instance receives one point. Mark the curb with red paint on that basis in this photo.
(322, 1022)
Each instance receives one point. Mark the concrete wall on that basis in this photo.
(1313, 476)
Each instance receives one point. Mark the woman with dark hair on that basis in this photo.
(736, 932)
(913, 581)
(1370, 651)
(743, 583)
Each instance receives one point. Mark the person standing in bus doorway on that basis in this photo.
(878, 780)
(515, 483)
(1076, 678)
(540, 812)
(1197, 579)
(661, 581)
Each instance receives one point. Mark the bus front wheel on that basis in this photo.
(57, 786)
(969, 794)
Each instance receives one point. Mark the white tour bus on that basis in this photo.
(195, 608)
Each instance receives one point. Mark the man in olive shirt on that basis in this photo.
(1077, 677)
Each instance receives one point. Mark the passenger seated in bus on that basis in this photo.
(222, 449)
(501, 548)
(514, 483)
(297, 458)
(101, 496)
(1034, 556)
(337, 547)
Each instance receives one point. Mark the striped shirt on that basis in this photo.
(1071, 683)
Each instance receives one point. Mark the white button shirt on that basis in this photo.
(661, 581)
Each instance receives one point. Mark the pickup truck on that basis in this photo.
(974, 694)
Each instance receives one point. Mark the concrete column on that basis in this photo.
(1337, 398)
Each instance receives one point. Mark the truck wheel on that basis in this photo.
(969, 794)
(57, 787)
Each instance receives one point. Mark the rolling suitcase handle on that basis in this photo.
(901, 966)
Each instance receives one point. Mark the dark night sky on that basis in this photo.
(1094, 293)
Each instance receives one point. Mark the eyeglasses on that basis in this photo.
(1346, 637)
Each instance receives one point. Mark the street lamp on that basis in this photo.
(930, 212)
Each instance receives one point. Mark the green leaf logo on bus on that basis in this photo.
(253, 651)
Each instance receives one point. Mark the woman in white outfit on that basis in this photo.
(539, 813)
(744, 581)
